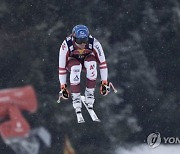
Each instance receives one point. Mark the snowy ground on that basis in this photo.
(144, 149)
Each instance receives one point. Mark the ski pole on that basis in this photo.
(111, 85)
(60, 95)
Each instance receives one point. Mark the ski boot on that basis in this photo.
(89, 97)
(77, 104)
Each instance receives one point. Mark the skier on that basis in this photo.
(80, 51)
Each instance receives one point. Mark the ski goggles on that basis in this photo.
(81, 40)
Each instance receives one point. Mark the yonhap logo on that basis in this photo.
(154, 139)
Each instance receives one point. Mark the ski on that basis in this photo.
(91, 111)
(80, 118)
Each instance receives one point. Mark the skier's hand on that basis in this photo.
(105, 87)
(64, 93)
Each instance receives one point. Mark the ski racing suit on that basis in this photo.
(73, 59)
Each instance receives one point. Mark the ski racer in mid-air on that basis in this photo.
(82, 52)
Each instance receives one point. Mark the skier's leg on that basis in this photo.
(76, 100)
(75, 67)
(91, 74)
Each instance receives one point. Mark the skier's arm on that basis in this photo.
(102, 60)
(62, 63)
(104, 88)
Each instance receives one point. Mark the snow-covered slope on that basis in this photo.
(145, 149)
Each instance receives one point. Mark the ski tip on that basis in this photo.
(81, 121)
(97, 120)
(80, 118)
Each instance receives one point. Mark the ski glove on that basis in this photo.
(105, 87)
(64, 93)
